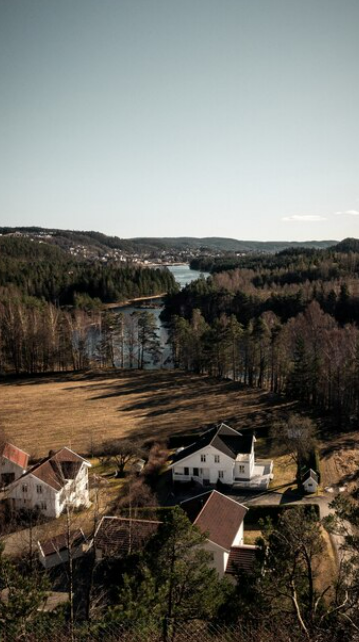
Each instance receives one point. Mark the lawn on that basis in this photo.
(47, 412)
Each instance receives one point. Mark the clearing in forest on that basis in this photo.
(44, 412)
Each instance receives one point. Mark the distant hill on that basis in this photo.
(347, 245)
(99, 243)
(230, 245)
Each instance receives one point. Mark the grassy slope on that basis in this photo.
(47, 412)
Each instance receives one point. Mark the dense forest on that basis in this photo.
(46, 272)
(287, 322)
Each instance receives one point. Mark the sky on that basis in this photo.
(232, 118)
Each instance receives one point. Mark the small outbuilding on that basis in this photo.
(310, 481)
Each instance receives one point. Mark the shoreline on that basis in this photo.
(124, 304)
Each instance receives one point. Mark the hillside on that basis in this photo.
(97, 244)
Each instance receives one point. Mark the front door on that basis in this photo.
(195, 472)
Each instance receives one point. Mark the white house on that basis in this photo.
(221, 519)
(221, 454)
(13, 463)
(58, 480)
(310, 481)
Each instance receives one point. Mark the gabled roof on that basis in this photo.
(310, 474)
(240, 558)
(216, 515)
(56, 469)
(61, 542)
(225, 439)
(14, 454)
(120, 535)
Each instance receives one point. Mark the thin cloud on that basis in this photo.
(348, 213)
(304, 217)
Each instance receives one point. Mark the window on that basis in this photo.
(43, 505)
(24, 488)
(216, 459)
(203, 457)
(242, 469)
(186, 471)
(220, 474)
(39, 489)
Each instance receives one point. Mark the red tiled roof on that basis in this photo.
(216, 515)
(241, 558)
(14, 454)
(120, 535)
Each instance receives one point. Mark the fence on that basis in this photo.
(193, 631)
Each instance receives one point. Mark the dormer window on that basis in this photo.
(203, 457)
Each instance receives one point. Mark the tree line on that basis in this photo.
(37, 337)
(287, 323)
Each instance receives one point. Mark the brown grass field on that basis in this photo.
(46, 412)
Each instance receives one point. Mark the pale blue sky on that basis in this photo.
(181, 117)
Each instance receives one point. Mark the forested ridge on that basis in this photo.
(44, 271)
(287, 322)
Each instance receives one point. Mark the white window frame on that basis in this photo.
(217, 459)
(203, 458)
(220, 474)
(39, 489)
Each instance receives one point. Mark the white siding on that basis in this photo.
(8, 467)
(238, 540)
(216, 466)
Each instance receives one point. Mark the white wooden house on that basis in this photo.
(55, 482)
(221, 519)
(221, 454)
(13, 463)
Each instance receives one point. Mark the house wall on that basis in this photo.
(8, 467)
(310, 486)
(50, 502)
(238, 540)
(208, 470)
(26, 494)
(244, 466)
(219, 556)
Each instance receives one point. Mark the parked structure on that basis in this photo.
(310, 481)
(59, 480)
(221, 519)
(13, 463)
(120, 536)
(56, 550)
(221, 454)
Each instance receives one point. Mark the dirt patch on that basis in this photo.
(46, 412)
(340, 461)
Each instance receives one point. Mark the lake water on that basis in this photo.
(183, 275)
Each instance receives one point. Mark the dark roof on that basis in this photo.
(225, 439)
(241, 558)
(14, 454)
(60, 542)
(216, 515)
(310, 474)
(120, 535)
